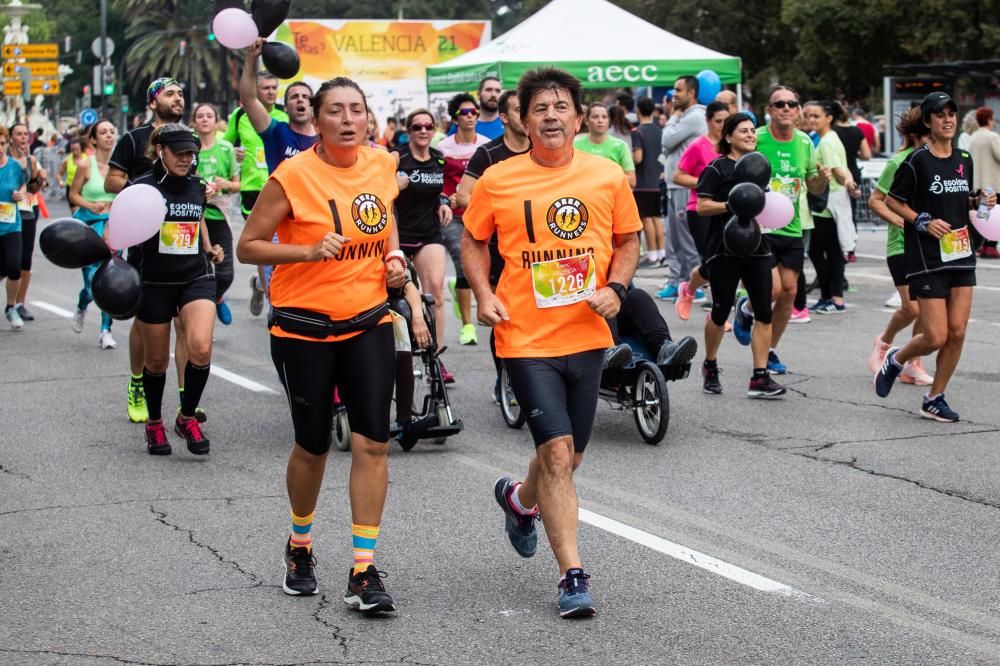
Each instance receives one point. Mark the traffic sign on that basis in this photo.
(40, 68)
(12, 88)
(95, 47)
(88, 117)
(31, 51)
(45, 86)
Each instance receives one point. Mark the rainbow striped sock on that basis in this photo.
(363, 538)
(302, 531)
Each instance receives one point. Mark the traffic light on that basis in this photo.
(109, 80)
(211, 36)
(86, 91)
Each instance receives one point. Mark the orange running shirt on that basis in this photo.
(355, 202)
(541, 214)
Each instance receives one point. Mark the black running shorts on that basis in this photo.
(558, 395)
(364, 369)
(162, 302)
(787, 251)
(940, 284)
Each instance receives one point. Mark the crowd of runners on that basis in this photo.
(547, 208)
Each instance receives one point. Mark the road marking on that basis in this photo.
(239, 380)
(693, 557)
(54, 309)
(221, 373)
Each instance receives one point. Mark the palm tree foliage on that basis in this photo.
(170, 38)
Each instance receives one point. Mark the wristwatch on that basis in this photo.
(619, 290)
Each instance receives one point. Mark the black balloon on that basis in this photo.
(280, 59)
(746, 200)
(117, 288)
(741, 236)
(268, 15)
(753, 168)
(70, 243)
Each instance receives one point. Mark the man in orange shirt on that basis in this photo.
(566, 225)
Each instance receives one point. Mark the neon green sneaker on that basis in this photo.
(137, 412)
(467, 336)
(454, 299)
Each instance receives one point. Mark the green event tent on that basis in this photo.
(600, 43)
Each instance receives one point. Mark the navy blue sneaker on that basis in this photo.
(520, 529)
(886, 375)
(742, 323)
(574, 595)
(820, 304)
(938, 410)
(774, 364)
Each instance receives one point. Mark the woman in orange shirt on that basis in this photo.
(330, 324)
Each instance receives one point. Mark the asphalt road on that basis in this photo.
(830, 527)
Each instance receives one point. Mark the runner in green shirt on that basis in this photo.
(598, 142)
(217, 167)
(914, 133)
(793, 167)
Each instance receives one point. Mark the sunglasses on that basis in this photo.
(417, 128)
(467, 112)
(781, 104)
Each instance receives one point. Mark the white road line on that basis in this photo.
(693, 557)
(221, 373)
(240, 380)
(54, 309)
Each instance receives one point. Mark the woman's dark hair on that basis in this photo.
(316, 101)
(597, 105)
(92, 130)
(732, 122)
(418, 112)
(155, 136)
(618, 120)
(73, 142)
(456, 102)
(911, 126)
(838, 112)
(539, 80)
(714, 108)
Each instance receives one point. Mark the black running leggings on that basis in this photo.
(10, 256)
(827, 258)
(640, 318)
(755, 272)
(28, 239)
(220, 234)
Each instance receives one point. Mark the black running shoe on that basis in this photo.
(520, 529)
(190, 430)
(300, 571)
(711, 384)
(677, 353)
(366, 592)
(765, 387)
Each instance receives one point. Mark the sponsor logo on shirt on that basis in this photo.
(423, 178)
(939, 186)
(184, 210)
(567, 218)
(368, 213)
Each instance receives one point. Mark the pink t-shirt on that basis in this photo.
(694, 160)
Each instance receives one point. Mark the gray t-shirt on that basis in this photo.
(647, 172)
(679, 132)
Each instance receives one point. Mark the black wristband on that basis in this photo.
(619, 290)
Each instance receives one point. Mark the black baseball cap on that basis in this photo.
(936, 102)
(178, 137)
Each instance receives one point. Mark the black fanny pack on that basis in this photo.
(315, 325)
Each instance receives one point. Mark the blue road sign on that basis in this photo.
(88, 117)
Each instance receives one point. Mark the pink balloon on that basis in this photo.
(234, 28)
(136, 216)
(990, 227)
(778, 211)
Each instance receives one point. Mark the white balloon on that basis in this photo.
(135, 216)
(234, 28)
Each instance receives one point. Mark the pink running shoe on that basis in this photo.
(913, 373)
(446, 376)
(875, 359)
(682, 306)
(800, 316)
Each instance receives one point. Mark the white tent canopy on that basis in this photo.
(600, 43)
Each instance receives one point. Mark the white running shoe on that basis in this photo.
(894, 301)
(78, 318)
(14, 319)
(913, 373)
(877, 355)
(105, 341)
